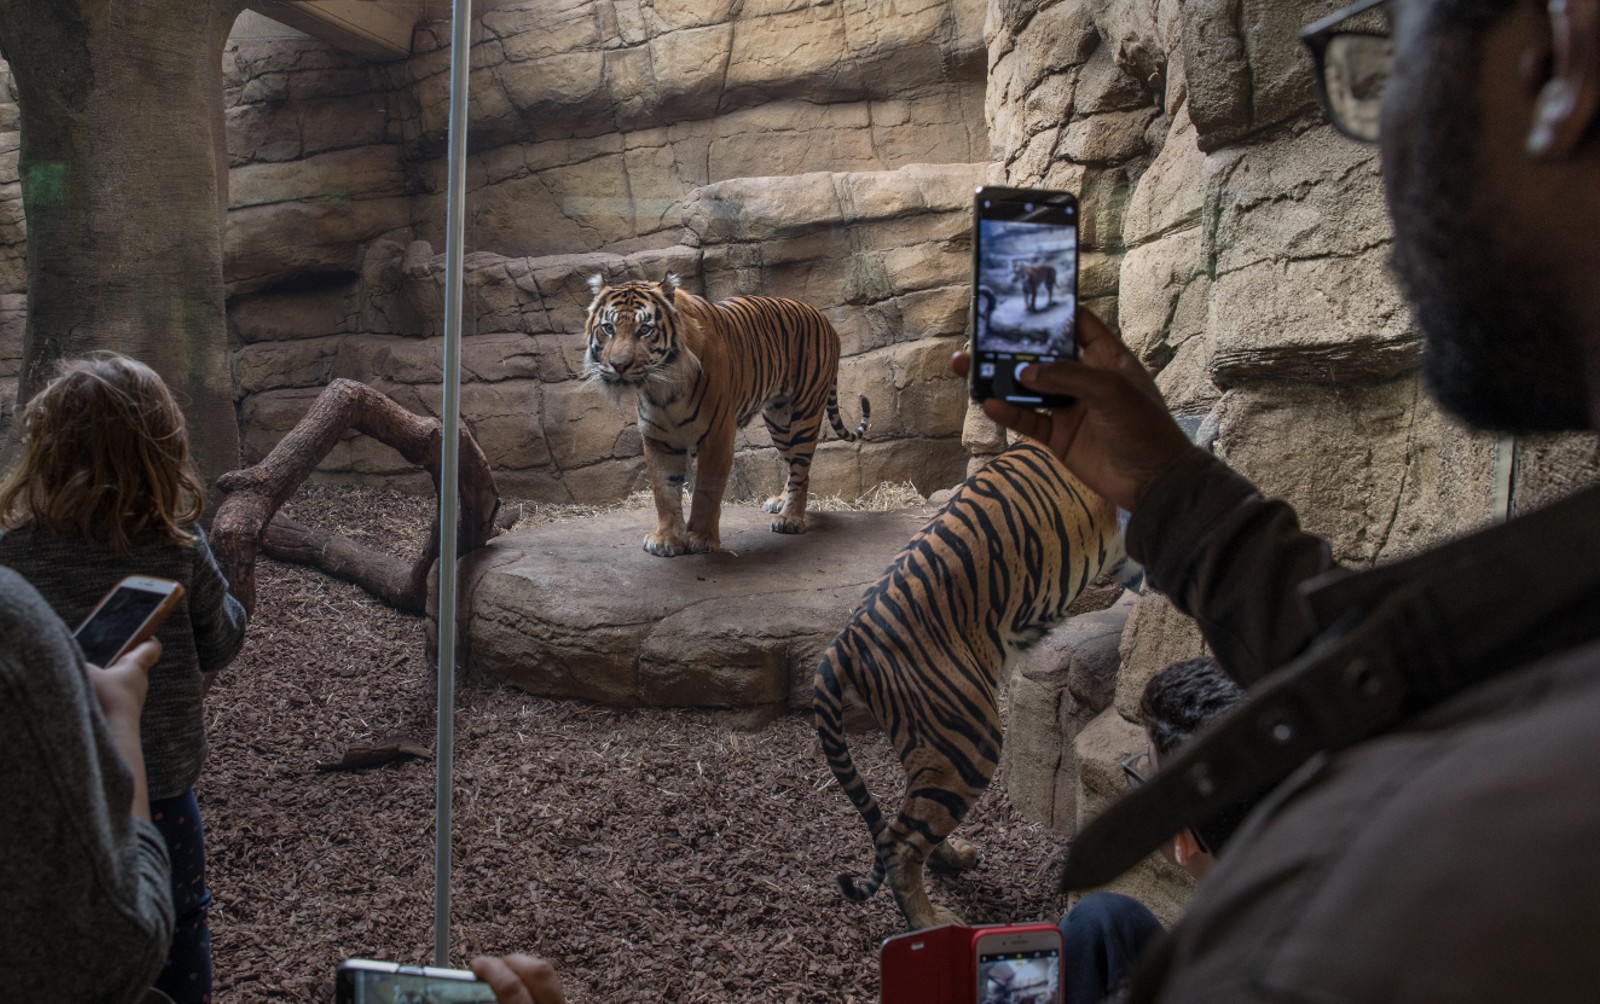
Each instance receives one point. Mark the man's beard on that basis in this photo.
(1499, 349)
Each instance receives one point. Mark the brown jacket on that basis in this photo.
(1445, 844)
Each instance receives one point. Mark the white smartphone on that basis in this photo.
(369, 981)
(126, 616)
(1018, 963)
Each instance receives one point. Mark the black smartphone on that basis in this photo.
(368, 981)
(1024, 289)
(126, 616)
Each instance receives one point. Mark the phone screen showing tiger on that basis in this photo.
(1024, 289)
(1020, 976)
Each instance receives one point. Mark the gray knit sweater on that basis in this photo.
(87, 900)
(202, 635)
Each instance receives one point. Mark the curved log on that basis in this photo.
(247, 520)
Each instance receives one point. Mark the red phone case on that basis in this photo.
(938, 965)
(932, 966)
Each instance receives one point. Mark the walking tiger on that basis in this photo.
(985, 578)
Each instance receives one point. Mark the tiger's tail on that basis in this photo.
(837, 421)
(828, 702)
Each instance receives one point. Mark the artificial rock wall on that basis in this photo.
(820, 150)
(810, 148)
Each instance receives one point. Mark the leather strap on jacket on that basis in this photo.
(1395, 641)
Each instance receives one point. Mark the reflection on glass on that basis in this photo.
(1355, 69)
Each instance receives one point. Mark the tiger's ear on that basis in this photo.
(673, 281)
(597, 282)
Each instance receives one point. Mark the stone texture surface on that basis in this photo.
(578, 609)
(1246, 68)
(1054, 691)
(1550, 467)
(1376, 469)
(815, 150)
(13, 248)
(1157, 636)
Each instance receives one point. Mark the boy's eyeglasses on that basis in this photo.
(1352, 66)
(1136, 767)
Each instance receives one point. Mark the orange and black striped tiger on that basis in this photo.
(702, 371)
(924, 652)
(1032, 275)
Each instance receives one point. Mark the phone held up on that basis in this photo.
(367, 981)
(956, 964)
(126, 616)
(1024, 289)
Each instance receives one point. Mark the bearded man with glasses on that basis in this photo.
(1425, 735)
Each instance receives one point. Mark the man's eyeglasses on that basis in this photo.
(1352, 65)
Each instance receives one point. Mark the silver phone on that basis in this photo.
(370, 981)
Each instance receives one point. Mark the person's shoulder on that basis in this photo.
(27, 621)
(17, 594)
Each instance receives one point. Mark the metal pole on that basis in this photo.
(450, 471)
(1505, 471)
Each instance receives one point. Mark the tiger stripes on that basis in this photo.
(986, 577)
(702, 371)
(1034, 274)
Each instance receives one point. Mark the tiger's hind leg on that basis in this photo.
(794, 433)
(953, 855)
(904, 866)
(939, 793)
(918, 836)
(936, 801)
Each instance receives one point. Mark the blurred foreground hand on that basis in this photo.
(519, 979)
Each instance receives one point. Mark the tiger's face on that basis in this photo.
(631, 333)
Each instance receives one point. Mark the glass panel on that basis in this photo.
(1355, 70)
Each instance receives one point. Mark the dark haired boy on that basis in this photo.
(1106, 932)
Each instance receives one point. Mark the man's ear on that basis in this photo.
(1564, 112)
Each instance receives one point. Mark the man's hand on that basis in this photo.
(1117, 436)
(519, 979)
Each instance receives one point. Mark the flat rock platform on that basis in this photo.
(577, 608)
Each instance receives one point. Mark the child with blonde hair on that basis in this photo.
(106, 488)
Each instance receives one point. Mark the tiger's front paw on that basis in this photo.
(664, 545)
(700, 543)
(774, 504)
(789, 524)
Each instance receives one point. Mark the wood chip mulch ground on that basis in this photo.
(653, 855)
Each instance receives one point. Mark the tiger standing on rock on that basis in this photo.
(987, 576)
(1032, 275)
(702, 371)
